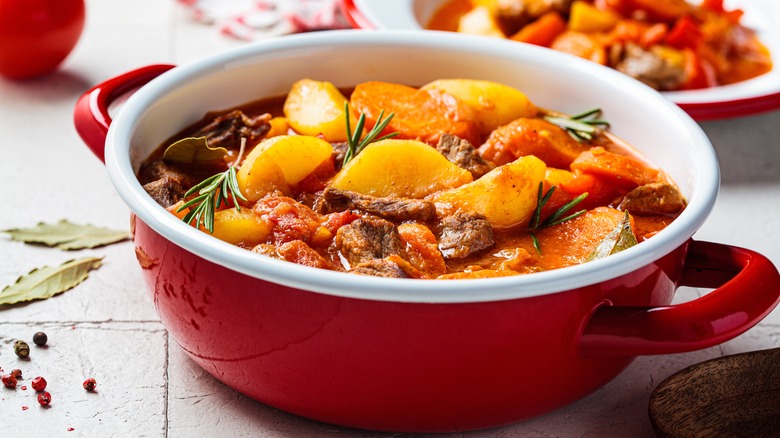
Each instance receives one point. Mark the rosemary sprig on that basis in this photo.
(582, 126)
(211, 193)
(554, 219)
(354, 144)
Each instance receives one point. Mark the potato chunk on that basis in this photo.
(403, 168)
(480, 21)
(278, 162)
(242, 227)
(315, 107)
(494, 104)
(505, 196)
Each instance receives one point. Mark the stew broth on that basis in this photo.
(478, 214)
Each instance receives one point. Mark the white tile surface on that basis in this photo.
(150, 388)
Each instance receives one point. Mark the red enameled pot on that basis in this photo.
(423, 355)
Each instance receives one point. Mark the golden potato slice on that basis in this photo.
(240, 227)
(405, 168)
(506, 195)
(278, 162)
(494, 104)
(315, 107)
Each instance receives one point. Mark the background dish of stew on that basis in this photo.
(670, 45)
(465, 212)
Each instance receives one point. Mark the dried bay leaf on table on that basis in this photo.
(68, 236)
(45, 282)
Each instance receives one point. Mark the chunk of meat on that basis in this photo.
(339, 152)
(650, 67)
(654, 198)
(390, 208)
(392, 267)
(367, 239)
(155, 170)
(226, 130)
(463, 234)
(166, 191)
(531, 136)
(463, 154)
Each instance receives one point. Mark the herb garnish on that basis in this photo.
(213, 192)
(354, 144)
(580, 127)
(555, 218)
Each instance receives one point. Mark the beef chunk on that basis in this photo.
(226, 130)
(655, 198)
(394, 209)
(463, 234)
(339, 152)
(166, 191)
(649, 67)
(392, 267)
(464, 154)
(155, 170)
(367, 239)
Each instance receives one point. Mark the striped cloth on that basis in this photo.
(255, 19)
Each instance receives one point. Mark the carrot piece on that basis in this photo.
(422, 248)
(663, 10)
(698, 72)
(653, 35)
(621, 170)
(543, 31)
(419, 115)
(538, 137)
(713, 5)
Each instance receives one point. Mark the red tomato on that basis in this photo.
(37, 35)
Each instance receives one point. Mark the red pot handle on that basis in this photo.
(747, 288)
(91, 114)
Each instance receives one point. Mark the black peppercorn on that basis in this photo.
(22, 349)
(40, 339)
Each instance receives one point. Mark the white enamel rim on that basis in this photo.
(760, 15)
(704, 167)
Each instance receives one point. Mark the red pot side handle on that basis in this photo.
(91, 114)
(746, 288)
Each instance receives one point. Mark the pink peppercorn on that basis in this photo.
(90, 384)
(9, 381)
(44, 398)
(39, 384)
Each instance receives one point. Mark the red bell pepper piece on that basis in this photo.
(685, 33)
(699, 73)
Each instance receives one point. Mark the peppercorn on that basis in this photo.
(9, 381)
(39, 384)
(90, 384)
(22, 349)
(44, 398)
(16, 372)
(40, 339)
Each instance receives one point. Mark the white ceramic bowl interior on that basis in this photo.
(761, 15)
(660, 130)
